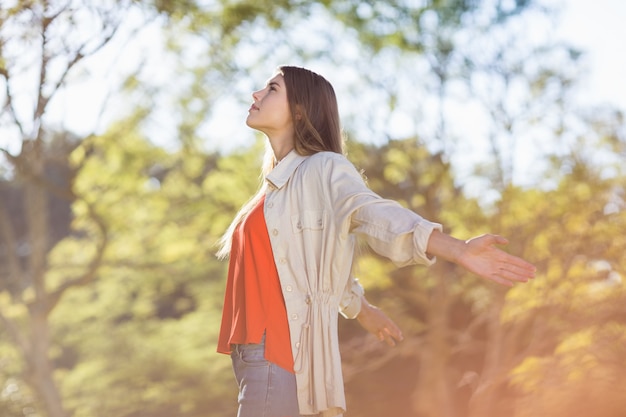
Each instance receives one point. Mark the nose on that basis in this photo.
(255, 95)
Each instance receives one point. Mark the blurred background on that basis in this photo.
(124, 155)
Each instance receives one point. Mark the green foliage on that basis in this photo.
(573, 314)
(139, 338)
(398, 24)
(564, 325)
(162, 366)
(584, 376)
(16, 399)
(145, 332)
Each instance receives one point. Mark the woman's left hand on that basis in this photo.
(376, 322)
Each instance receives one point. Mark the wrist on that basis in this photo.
(365, 308)
(445, 247)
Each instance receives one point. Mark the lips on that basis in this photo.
(253, 107)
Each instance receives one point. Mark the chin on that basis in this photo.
(250, 122)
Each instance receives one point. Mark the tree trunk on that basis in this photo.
(40, 368)
(432, 396)
(483, 401)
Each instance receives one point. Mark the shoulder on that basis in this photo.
(326, 160)
(331, 169)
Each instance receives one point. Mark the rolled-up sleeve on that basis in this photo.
(394, 232)
(391, 230)
(350, 304)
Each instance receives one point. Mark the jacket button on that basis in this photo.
(289, 288)
(299, 225)
(275, 232)
(270, 205)
(294, 317)
(283, 261)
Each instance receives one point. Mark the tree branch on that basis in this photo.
(7, 235)
(4, 72)
(77, 56)
(92, 269)
(14, 332)
(24, 169)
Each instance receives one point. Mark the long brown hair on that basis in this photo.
(314, 111)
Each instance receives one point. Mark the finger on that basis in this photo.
(500, 280)
(516, 273)
(394, 334)
(519, 264)
(384, 336)
(500, 240)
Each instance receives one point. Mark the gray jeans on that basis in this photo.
(265, 389)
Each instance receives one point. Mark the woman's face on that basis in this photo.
(270, 111)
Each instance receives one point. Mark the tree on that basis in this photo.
(41, 44)
(486, 350)
(153, 214)
(145, 332)
(572, 320)
(434, 305)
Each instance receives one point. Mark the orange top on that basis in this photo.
(253, 303)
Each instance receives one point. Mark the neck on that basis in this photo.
(279, 156)
(281, 146)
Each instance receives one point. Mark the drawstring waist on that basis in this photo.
(303, 357)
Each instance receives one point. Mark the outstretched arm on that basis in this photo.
(480, 256)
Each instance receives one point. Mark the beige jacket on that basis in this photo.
(315, 208)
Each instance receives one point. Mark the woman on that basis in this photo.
(292, 247)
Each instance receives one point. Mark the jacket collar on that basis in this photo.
(283, 171)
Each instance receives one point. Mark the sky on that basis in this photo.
(597, 27)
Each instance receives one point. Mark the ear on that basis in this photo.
(298, 112)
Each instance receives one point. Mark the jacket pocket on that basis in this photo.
(308, 220)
